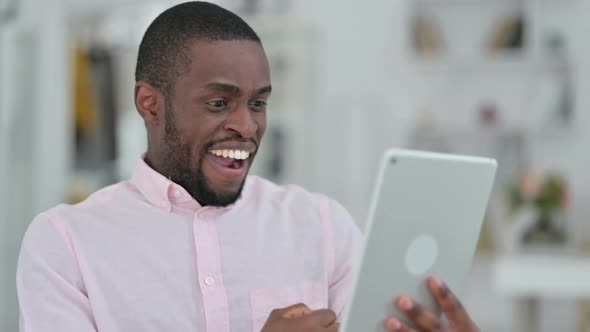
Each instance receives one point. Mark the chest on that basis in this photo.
(190, 271)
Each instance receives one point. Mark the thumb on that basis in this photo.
(323, 317)
(334, 327)
(295, 311)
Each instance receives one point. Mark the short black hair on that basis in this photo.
(165, 46)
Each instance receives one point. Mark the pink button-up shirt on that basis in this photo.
(143, 255)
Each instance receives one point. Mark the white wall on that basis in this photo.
(360, 90)
(4, 256)
(366, 100)
(570, 150)
(35, 113)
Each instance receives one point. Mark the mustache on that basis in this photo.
(232, 139)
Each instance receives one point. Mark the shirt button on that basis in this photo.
(164, 204)
(209, 281)
(176, 193)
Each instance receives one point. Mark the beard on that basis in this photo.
(177, 157)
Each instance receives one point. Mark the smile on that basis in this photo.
(232, 154)
(229, 163)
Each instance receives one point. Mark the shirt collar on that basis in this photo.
(161, 191)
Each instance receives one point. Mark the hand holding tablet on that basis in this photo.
(457, 318)
(425, 218)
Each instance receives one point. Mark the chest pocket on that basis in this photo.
(265, 300)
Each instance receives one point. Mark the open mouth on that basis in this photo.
(232, 159)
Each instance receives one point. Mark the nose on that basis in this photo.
(241, 121)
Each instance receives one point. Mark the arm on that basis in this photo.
(344, 241)
(51, 293)
(341, 237)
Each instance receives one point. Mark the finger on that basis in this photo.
(293, 311)
(333, 328)
(393, 324)
(448, 302)
(296, 310)
(424, 318)
(322, 317)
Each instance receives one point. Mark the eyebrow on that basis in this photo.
(234, 90)
(261, 91)
(222, 87)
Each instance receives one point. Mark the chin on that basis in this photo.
(229, 188)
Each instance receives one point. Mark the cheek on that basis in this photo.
(190, 145)
(261, 122)
(197, 132)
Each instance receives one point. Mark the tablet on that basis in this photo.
(425, 218)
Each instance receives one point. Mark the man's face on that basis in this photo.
(215, 120)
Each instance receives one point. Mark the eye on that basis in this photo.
(217, 104)
(258, 105)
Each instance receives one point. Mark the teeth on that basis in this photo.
(234, 154)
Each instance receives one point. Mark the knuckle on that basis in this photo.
(447, 306)
(445, 291)
(406, 329)
(451, 304)
(437, 326)
(276, 312)
(416, 311)
(331, 313)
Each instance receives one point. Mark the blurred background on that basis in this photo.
(499, 78)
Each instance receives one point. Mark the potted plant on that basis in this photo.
(548, 196)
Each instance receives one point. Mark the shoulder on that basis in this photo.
(100, 200)
(54, 225)
(263, 191)
(104, 196)
(294, 196)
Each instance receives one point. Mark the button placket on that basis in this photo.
(209, 273)
(204, 213)
(209, 281)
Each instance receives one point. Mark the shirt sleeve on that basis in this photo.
(346, 242)
(50, 290)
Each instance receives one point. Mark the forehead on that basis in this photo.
(241, 62)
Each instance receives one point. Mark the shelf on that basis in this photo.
(473, 132)
(557, 275)
(508, 63)
(488, 3)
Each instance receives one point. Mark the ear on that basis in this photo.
(149, 103)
